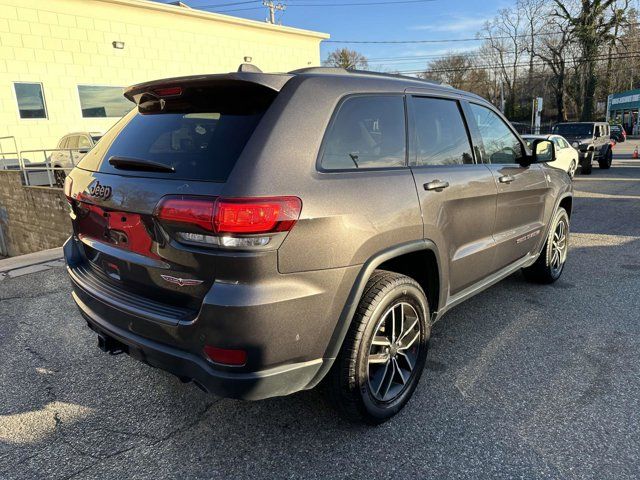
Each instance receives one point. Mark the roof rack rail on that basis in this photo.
(350, 71)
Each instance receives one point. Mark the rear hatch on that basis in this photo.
(178, 145)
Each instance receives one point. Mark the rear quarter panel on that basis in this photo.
(347, 217)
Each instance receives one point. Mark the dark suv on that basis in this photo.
(258, 233)
(591, 139)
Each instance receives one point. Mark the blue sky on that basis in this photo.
(422, 20)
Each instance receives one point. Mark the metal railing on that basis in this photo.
(8, 159)
(48, 167)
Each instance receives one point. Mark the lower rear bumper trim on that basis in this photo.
(272, 382)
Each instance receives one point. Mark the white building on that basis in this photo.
(64, 63)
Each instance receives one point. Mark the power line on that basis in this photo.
(343, 4)
(568, 62)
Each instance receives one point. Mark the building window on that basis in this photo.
(99, 101)
(30, 100)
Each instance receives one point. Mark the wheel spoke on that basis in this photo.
(382, 377)
(407, 360)
(378, 358)
(387, 379)
(393, 324)
(381, 340)
(399, 370)
(410, 343)
(409, 330)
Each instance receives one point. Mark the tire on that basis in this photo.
(586, 164)
(370, 381)
(547, 269)
(605, 163)
(59, 177)
(572, 169)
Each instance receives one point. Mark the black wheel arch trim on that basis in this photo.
(349, 309)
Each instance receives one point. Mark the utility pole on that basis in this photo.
(272, 10)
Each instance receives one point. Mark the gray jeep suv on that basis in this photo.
(258, 233)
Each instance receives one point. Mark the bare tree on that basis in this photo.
(345, 58)
(503, 39)
(592, 23)
(553, 50)
(533, 12)
(461, 70)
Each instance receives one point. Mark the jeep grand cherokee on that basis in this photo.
(260, 233)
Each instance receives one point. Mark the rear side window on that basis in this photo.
(441, 135)
(72, 142)
(200, 134)
(368, 131)
(83, 142)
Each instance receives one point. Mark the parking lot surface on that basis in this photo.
(522, 381)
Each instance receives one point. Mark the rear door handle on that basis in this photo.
(436, 185)
(506, 179)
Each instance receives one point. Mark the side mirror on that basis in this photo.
(543, 151)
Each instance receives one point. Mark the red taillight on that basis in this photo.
(168, 91)
(232, 215)
(191, 211)
(226, 356)
(256, 215)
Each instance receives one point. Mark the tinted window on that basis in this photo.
(367, 132)
(30, 100)
(500, 144)
(200, 133)
(441, 136)
(574, 129)
(98, 101)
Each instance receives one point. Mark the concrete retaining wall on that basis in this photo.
(31, 218)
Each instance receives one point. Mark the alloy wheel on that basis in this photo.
(394, 352)
(559, 244)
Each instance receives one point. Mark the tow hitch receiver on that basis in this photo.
(110, 345)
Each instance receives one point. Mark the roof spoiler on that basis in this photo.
(273, 82)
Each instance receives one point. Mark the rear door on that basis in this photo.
(457, 195)
(522, 190)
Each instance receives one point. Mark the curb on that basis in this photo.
(30, 263)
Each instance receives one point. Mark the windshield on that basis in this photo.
(574, 129)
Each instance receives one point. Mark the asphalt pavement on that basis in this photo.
(522, 381)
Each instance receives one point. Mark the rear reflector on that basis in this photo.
(232, 215)
(226, 356)
(168, 91)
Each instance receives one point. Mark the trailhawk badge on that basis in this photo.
(181, 282)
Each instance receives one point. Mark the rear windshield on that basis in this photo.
(201, 139)
(585, 129)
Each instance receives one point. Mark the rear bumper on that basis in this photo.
(286, 350)
(278, 381)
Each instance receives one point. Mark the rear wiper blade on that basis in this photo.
(128, 163)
